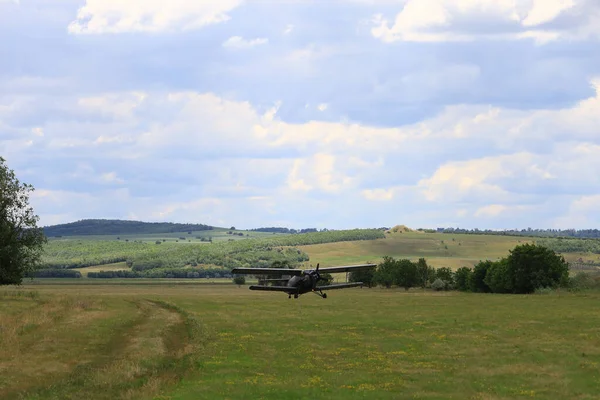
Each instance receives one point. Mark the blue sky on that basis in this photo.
(305, 113)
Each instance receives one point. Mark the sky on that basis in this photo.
(305, 113)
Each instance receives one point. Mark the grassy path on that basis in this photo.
(69, 347)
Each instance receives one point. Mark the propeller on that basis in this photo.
(317, 276)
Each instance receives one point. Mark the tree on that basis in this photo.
(21, 241)
(534, 267)
(366, 276)
(385, 272)
(406, 274)
(478, 284)
(239, 280)
(462, 277)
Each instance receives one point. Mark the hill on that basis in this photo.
(87, 227)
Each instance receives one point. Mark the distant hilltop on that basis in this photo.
(401, 229)
(119, 227)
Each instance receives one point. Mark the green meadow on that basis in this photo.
(202, 341)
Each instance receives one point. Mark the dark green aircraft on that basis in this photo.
(301, 281)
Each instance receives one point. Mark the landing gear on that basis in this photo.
(324, 295)
(321, 294)
(296, 296)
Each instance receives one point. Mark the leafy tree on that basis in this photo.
(406, 274)
(385, 272)
(239, 280)
(425, 273)
(478, 284)
(462, 278)
(445, 274)
(21, 241)
(326, 279)
(532, 267)
(366, 276)
(498, 277)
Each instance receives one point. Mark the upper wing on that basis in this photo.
(273, 288)
(267, 271)
(339, 286)
(347, 268)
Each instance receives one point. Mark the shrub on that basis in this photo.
(438, 285)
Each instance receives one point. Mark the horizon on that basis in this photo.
(387, 227)
(333, 115)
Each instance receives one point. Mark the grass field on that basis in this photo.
(440, 250)
(219, 341)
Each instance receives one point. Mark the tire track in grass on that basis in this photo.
(144, 356)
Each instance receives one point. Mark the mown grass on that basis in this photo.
(207, 342)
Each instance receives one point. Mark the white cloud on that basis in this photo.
(119, 105)
(116, 16)
(322, 107)
(238, 42)
(465, 20)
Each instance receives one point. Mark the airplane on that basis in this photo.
(302, 281)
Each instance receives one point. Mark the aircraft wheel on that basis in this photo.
(295, 296)
(324, 295)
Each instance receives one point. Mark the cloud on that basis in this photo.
(115, 16)
(467, 20)
(238, 42)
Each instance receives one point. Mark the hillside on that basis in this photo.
(88, 227)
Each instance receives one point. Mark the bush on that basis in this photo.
(438, 285)
(239, 280)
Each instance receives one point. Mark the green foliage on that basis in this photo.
(439, 284)
(462, 279)
(145, 256)
(21, 241)
(326, 279)
(119, 227)
(406, 274)
(366, 276)
(445, 274)
(425, 273)
(499, 278)
(478, 284)
(403, 273)
(532, 267)
(385, 274)
(239, 280)
(56, 273)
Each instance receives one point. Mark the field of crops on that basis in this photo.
(141, 256)
(220, 341)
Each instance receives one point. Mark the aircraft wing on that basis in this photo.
(273, 288)
(267, 271)
(347, 268)
(340, 286)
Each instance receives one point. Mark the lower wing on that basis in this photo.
(340, 286)
(273, 288)
(347, 268)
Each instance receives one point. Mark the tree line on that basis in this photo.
(527, 268)
(531, 232)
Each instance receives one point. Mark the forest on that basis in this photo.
(88, 227)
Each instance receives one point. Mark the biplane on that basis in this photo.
(300, 281)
